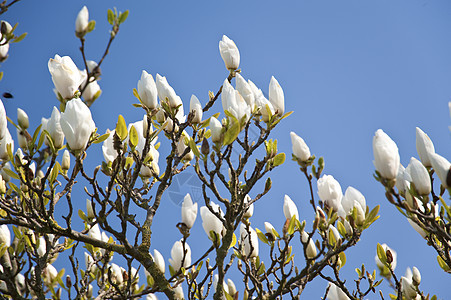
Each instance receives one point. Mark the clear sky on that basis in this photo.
(347, 68)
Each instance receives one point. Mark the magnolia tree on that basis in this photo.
(109, 244)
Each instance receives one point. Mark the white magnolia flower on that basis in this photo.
(117, 272)
(3, 49)
(178, 290)
(245, 91)
(300, 148)
(276, 96)
(189, 211)
(329, 191)
(82, 21)
(224, 285)
(216, 128)
(151, 297)
(181, 147)
(22, 119)
(50, 273)
(351, 199)
(407, 286)
(94, 232)
(166, 91)
(335, 293)
(91, 92)
(195, 108)
(249, 240)
(403, 180)
(4, 142)
(270, 229)
(420, 176)
(159, 260)
(5, 235)
(380, 265)
(289, 208)
(311, 248)
(229, 53)
(386, 155)
(250, 211)
(442, 167)
(147, 90)
(53, 127)
(417, 228)
(179, 254)
(77, 124)
(108, 147)
(65, 76)
(210, 222)
(3, 121)
(424, 147)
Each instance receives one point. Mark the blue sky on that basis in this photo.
(347, 68)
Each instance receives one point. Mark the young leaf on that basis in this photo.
(279, 159)
(121, 128)
(232, 133)
(134, 138)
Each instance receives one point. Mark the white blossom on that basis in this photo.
(329, 191)
(179, 254)
(195, 108)
(77, 124)
(276, 96)
(386, 155)
(420, 176)
(300, 148)
(189, 211)
(424, 147)
(82, 21)
(210, 222)
(249, 240)
(289, 208)
(65, 75)
(442, 167)
(147, 90)
(229, 53)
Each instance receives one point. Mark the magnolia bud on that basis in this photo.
(210, 222)
(89, 209)
(420, 176)
(22, 119)
(300, 148)
(386, 155)
(249, 240)
(5, 235)
(416, 276)
(250, 211)
(195, 108)
(65, 163)
(180, 252)
(229, 53)
(311, 248)
(159, 260)
(289, 208)
(3, 121)
(189, 211)
(82, 21)
(77, 124)
(276, 96)
(2, 186)
(442, 167)
(216, 128)
(147, 90)
(329, 191)
(424, 147)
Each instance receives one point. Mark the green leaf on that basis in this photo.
(110, 17)
(286, 115)
(193, 147)
(20, 37)
(232, 133)
(82, 215)
(381, 254)
(291, 226)
(17, 232)
(443, 264)
(36, 132)
(261, 236)
(233, 243)
(279, 159)
(342, 256)
(123, 16)
(41, 141)
(134, 138)
(50, 141)
(341, 228)
(10, 173)
(135, 93)
(91, 26)
(121, 128)
(372, 216)
(101, 138)
(55, 170)
(1, 75)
